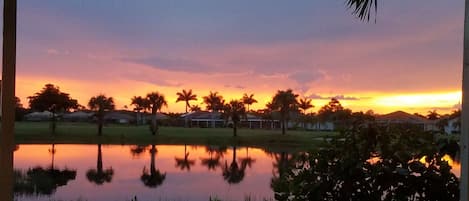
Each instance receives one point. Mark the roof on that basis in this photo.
(118, 115)
(79, 114)
(202, 115)
(401, 117)
(39, 114)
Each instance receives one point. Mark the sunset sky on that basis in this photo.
(410, 59)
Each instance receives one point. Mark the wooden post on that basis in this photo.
(8, 100)
(464, 179)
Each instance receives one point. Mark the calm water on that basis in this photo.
(114, 173)
(179, 172)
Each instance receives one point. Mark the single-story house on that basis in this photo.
(400, 117)
(38, 116)
(80, 116)
(119, 117)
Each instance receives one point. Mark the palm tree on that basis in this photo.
(195, 108)
(101, 104)
(214, 103)
(99, 176)
(233, 174)
(305, 104)
(186, 96)
(140, 104)
(154, 177)
(184, 163)
(285, 102)
(155, 102)
(234, 111)
(248, 100)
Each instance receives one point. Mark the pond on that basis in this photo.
(161, 172)
(102, 172)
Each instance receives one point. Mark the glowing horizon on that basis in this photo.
(406, 61)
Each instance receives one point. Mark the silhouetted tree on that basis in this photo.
(51, 99)
(285, 102)
(186, 96)
(99, 175)
(101, 104)
(154, 177)
(335, 112)
(305, 104)
(20, 111)
(41, 181)
(235, 111)
(248, 100)
(433, 115)
(195, 108)
(184, 163)
(234, 174)
(156, 102)
(140, 104)
(214, 103)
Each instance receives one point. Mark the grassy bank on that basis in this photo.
(85, 133)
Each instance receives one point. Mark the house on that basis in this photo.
(204, 119)
(453, 125)
(80, 116)
(400, 117)
(119, 117)
(38, 116)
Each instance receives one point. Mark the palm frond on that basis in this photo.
(363, 9)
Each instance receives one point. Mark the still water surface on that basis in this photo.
(179, 172)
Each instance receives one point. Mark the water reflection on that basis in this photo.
(40, 180)
(233, 173)
(184, 163)
(154, 177)
(212, 162)
(99, 176)
(335, 172)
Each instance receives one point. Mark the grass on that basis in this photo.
(86, 133)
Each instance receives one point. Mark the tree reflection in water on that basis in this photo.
(212, 162)
(234, 174)
(154, 177)
(42, 181)
(407, 165)
(99, 175)
(184, 163)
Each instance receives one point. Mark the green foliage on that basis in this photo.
(371, 163)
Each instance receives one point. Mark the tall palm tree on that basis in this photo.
(141, 104)
(248, 160)
(235, 110)
(99, 175)
(305, 104)
(184, 163)
(155, 102)
(186, 96)
(154, 177)
(285, 102)
(214, 103)
(101, 104)
(248, 100)
(234, 174)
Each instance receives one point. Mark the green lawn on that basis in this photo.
(85, 133)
